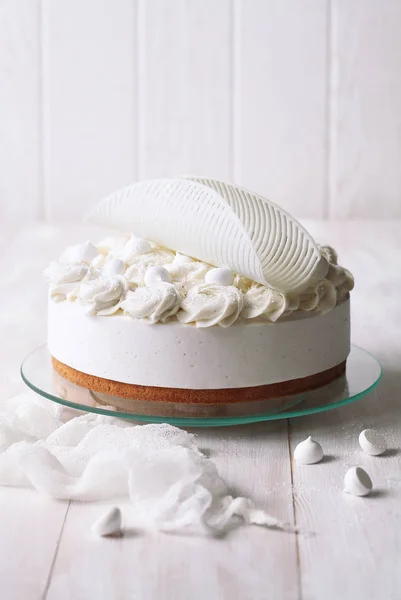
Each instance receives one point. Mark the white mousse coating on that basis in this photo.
(178, 355)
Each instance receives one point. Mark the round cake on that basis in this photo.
(241, 308)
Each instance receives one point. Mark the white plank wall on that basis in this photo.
(89, 95)
(365, 178)
(184, 87)
(20, 110)
(280, 100)
(299, 101)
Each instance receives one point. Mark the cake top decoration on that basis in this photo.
(146, 281)
(221, 224)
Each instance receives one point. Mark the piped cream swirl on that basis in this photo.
(64, 278)
(102, 295)
(156, 303)
(209, 304)
(111, 275)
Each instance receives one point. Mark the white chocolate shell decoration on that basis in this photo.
(372, 442)
(220, 224)
(357, 482)
(109, 524)
(308, 452)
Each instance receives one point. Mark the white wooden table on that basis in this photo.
(350, 548)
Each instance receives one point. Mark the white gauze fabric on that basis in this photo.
(171, 484)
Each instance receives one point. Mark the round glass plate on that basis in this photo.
(362, 376)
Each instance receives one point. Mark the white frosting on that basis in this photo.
(260, 300)
(102, 295)
(138, 265)
(64, 279)
(372, 442)
(207, 296)
(172, 354)
(357, 482)
(308, 452)
(187, 274)
(207, 305)
(156, 303)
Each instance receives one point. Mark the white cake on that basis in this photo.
(135, 319)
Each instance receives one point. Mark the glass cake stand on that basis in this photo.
(363, 375)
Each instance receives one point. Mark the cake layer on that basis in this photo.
(192, 397)
(174, 355)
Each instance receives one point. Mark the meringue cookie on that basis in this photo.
(136, 246)
(83, 252)
(155, 275)
(372, 442)
(109, 524)
(114, 266)
(308, 452)
(220, 276)
(182, 259)
(357, 482)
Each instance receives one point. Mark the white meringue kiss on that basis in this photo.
(109, 524)
(155, 275)
(308, 452)
(82, 253)
(357, 482)
(372, 442)
(114, 266)
(220, 276)
(136, 246)
(182, 259)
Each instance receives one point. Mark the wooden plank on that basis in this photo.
(280, 101)
(365, 149)
(31, 526)
(184, 88)
(250, 563)
(20, 140)
(89, 102)
(354, 551)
